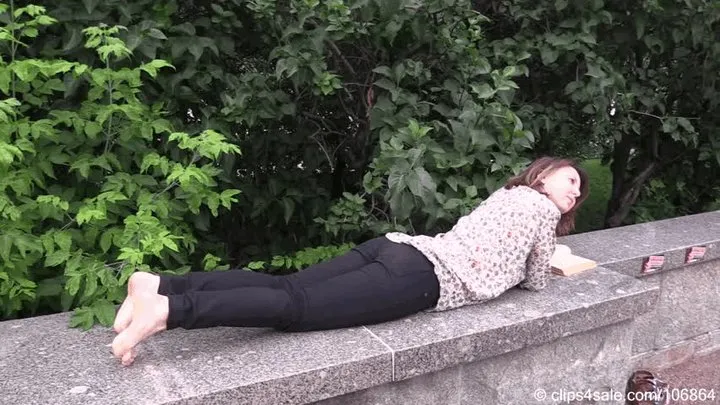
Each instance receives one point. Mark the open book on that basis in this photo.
(564, 263)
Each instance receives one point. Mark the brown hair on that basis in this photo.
(532, 177)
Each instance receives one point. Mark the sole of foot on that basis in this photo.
(139, 283)
(149, 316)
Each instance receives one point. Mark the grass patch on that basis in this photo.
(591, 215)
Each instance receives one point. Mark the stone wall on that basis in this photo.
(685, 322)
(583, 333)
(595, 360)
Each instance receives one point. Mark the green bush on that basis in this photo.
(93, 189)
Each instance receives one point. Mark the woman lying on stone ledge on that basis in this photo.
(506, 241)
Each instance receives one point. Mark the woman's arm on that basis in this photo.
(538, 261)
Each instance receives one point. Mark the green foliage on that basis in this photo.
(665, 129)
(657, 204)
(379, 100)
(301, 259)
(97, 188)
(611, 79)
(591, 215)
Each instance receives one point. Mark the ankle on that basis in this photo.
(142, 282)
(163, 308)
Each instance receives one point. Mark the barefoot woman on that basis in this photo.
(507, 241)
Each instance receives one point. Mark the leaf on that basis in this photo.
(483, 66)
(548, 55)
(82, 317)
(92, 128)
(106, 240)
(640, 22)
(226, 197)
(289, 208)
(90, 5)
(184, 28)
(56, 258)
(75, 39)
(386, 84)
(152, 69)
(156, 33)
(257, 265)
(107, 278)
(82, 165)
(471, 191)
(72, 286)
(5, 80)
(560, 4)
(125, 272)
(29, 32)
(26, 243)
(170, 244)
(104, 311)
(669, 125)
(594, 71)
(685, 123)
(396, 180)
(452, 181)
(426, 180)
(384, 70)
(90, 286)
(196, 50)
(401, 204)
(111, 196)
(8, 153)
(151, 159)
(484, 91)
(88, 213)
(587, 38)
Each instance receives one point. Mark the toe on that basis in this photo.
(123, 316)
(128, 357)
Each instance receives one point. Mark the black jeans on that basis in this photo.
(377, 281)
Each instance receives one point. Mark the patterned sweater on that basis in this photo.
(506, 241)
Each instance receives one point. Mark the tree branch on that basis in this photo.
(631, 194)
(340, 55)
(661, 118)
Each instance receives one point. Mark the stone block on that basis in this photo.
(689, 306)
(592, 363)
(44, 362)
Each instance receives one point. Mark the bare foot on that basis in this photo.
(139, 283)
(149, 316)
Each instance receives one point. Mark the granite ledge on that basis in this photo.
(625, 248)
(42, 361)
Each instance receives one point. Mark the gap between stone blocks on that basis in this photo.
(392, 352)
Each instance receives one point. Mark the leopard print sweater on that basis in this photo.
(506, 241)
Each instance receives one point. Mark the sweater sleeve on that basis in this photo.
(538, 261)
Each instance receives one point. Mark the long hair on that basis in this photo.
(532, 177)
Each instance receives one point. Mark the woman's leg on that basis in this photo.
(233, 279)
(399, 283)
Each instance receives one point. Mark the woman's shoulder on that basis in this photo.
(522, 193)
(526, 198)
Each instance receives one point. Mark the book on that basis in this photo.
(565, 263)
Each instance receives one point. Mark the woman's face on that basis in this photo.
(562, 187)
